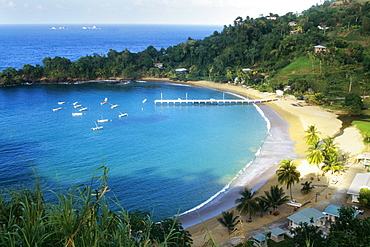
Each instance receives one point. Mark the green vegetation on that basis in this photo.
(228, 220)
(81, 216)
(323, 153)
(248, 204)
(288, 174)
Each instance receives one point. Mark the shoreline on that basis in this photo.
(298, 117)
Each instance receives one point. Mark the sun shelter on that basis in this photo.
(305, 215)
(364, 159)
(277, 234)
(361, 181)
(260, 238)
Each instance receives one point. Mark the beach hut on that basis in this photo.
(361, 180)
(364, 159)
(277, 234)
(332, 211)
(305, 215)
(260, 239)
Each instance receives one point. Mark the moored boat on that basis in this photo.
(122, 114)
(57, 109)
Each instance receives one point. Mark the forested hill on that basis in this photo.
(269, 53)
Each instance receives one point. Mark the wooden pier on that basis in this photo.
(212, 101)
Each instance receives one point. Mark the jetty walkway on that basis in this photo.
(212, 101)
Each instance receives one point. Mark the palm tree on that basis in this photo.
(262, 205)
(275, 197)
(312, 135)
(287, 174)
(329, 147)
(228, 220)
(315, 156)
(332, 163)
(246, 204)
(307, 187)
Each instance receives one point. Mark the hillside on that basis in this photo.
(268, 53)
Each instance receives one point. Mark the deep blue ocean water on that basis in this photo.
(162, 159)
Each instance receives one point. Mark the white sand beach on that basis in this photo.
(299, 116)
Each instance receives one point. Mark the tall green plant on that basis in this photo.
(288, 174)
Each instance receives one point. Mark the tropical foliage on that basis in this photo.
(307, 187)
(364, 197)
(288, 174)
(81, 216)
(228, 220)
(322, 153)
(247, 203)
(275, 197)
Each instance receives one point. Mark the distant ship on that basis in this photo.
(93, 27)
(54, 28)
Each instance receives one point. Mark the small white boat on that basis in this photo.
(75, 103)
(97, 127)
(84, 109)
(77, 114)
(144, 100)
(102, 120)
(57, 109)
(105, 99)
(76, 106)
(113, 106)
(61, 102)
(122, 114)
(103, 103)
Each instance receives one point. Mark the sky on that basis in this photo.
(194, 12)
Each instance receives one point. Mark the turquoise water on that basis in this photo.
(165, 159)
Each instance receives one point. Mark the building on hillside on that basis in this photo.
(181, 70)
(293, 23)
(319, 48)
(271, 17)
(295, 32)
(158, 65)
(361, 180)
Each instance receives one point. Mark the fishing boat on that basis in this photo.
(144, 100)
(96, 127)
(113, 106)
(122, 114)
(84, 109)
(102, 120)
(77, 114)
(76, 106)
(75, 103)
(61, 102)
(57, 109)
(104, 102)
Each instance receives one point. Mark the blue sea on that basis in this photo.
(162, 159)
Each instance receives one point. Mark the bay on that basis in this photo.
(162, 159)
